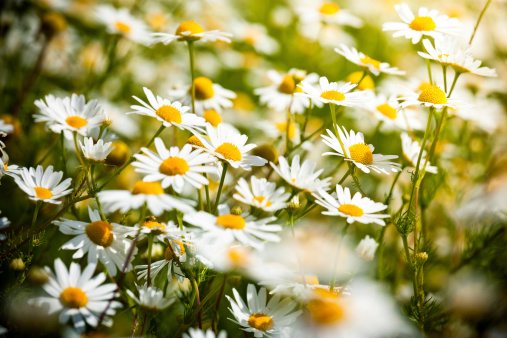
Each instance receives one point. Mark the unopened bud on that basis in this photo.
(267, 152)
(17, 264)
(38, 276)
(294, 203)
(236, 211)
(119, 155)
(234, 280)
(421, 257)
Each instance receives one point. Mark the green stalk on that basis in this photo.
(444, 71)
(78, 152)
(208, 199)
(222, 179)
(429, 71)
(345, 176)
(479, 21)
(34, 219)
(192, 73)
(150, 246)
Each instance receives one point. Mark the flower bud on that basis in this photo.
(294, 203)
(267, 152)
(38, 276)
(17, 264)
(119, 155)
(421, 257)
(366, 248)
(236, 211)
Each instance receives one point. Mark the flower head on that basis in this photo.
(150, 298)
(95, 152)
(191, 31)
(262, 194)
(43, 185)
(332, 93)
(120, 21)
(302, 176)
(366, 62)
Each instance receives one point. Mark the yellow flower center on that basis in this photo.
(169, 253)
(73, 298)
(423, 23)
(310, 280)
(261, 322)
(194, 140)
(361, 153)
(169, 114)
(326, 309)
(373, 62)
(153, 224)
(229, 151)
(238, 257)
(189, 26)
(387, 111)
(261, 199)
(99, 232)
(41, 192)
(231, 221)
(76, 121)
(333, 95)
(442, 55)
(287, 85)
(203, 88)
(433, 94)
(366, 82)
(351, 210)
(212, 117)
(122, 27)
(329, 8)
(282, 126)
(147, 188)
(173, 166)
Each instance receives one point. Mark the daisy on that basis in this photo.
(358, 152)
(301, 177)
(332, 93)
(226, 228)
(255, 35)
(6, 168)
(95, 152)
(411, 150)
(70, 114)
(4, 223)
(230, 146)
(160, 231)
(198, 333)
(78, 295)
(151, 299)
(260, 318)
(170, 114)
(366, 62)
(120, 21)
(431, 96)
(174, 166)
(354, 209)
(278, 128)
(230, 257)
(208, 95)
(103, 241)
(191, 31)
(292, 283)
(43, 185)
(366, 248)
(328, 13)
(150, 193)
(263, 194)
(425, 23)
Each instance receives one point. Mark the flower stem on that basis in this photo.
(429, 70)
(479, 21)
(78, 152)
(198, 299)
(345, 176)
(34, 219)
(150, 246)
(222, 179)
(444, 71)
(192, 73)
(208, 200)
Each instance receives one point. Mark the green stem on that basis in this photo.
(208, 199)
(198, 299)
(409, 260)
(64, 158)
(429, 70)
(222, 179)
(34, 219)
(335, 126)
(345, 176)
(78, 152)
(335, 265)
(456, 76)
(150, 246)
(444, 71)
(307, 118)
(199, 198)
(388, 198)
(356, 180)
(192, 73)
(287, 131)
(478, 21)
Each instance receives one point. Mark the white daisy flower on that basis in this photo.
(170, 114)
(263, 194)
(70, 114)
(174, 166)
(150, 298)
(411, 150)
(364, 61)
(366, 248)
(231, 257)
(255, 35)
(226, 228)
(427, 22)
(228, 145)
(78, 295)
(354, 209)
(6, 168)
(43, 185)
(4, 223)
(191, 31)
(260, 318)
(301, 177)
(208, 95)
(198, 333)
(332, 93)
(161, 231)
(327, 12)
(120, 21)
(431, 96)
(5, 127)
(103, 241)
(360, 153)
(293, 283)
(95, 152)
(150, 193)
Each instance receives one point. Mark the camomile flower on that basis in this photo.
(208, 95)
(95, 152)
(359, 153)
(228, 145)
(170, 114)
(78, 295)
(301, 177)
(231, 257)
(70, 114)
(327, 12)
(332, 93)
(292, 283)
(43, 185)
(227, 228)
(354, 209)
(173, 167)
(161, 231)
(366, 62)
(151, 299)
(198, 333)
(431, 96)
(427, 22)
(191, 31)
(120, 21)
(255, 35)
(4, 223)
(6, 168)
(150, 193)
(366, 248)
(262, 195)
(102, 241)
(260, 317)
(411, 150)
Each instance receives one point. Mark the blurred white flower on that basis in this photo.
(95, 152)
(151, 298)
(366, 248)
(301, 177)
(191, 31)
(120, 21)
(374, 66)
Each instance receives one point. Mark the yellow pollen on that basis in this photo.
(373, 62)
(366, 82)
(212, 117)
(231, 221)
(189, 26)
(41, 192)
(261, 322)
(194, 140)
(168, 252)
(288, 85)
(261, 199)
(387, 111)
(361, 153)
(76, 122)
(433, 94)
(153, 224)
(203, 88)
(147, 188)
(329, 8)
(310, 280)
(169, 114)
(229, 151)
(282, 126)
(99, 232)
(441, 55)
(423, 23)
(351, 210)
(73, 298)
(5, 166)
(173, 166)
(333, 95)
(122, 27)
(324, 311)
